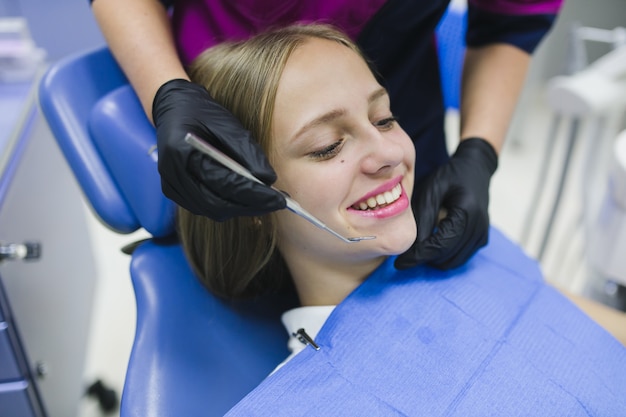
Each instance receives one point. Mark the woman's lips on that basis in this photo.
(381, 190)
(382, 205)
(379, 200)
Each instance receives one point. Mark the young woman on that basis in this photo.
(338, 148)
(489, 337)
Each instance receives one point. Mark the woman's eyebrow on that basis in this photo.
(377, 94)
(321, 120)
(337, 113)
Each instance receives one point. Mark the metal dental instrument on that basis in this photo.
(292, 205)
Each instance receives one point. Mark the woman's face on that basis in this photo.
(338, 151)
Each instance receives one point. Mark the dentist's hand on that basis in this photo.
(194, 180)
(461, 187)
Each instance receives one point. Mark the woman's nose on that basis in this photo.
(381, 152)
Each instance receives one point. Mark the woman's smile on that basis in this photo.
(385, 201)
(384, 208)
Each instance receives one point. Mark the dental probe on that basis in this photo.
(292, 204)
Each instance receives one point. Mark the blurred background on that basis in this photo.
(68, 312)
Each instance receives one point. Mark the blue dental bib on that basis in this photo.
(488, 339)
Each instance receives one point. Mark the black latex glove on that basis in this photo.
(461, 187)
(194, 180)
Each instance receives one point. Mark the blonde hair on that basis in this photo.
(238, 258)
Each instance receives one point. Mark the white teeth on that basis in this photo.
(387, 197)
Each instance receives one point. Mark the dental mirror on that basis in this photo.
(292, 204)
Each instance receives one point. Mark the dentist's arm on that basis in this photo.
(500, 38)
(493, 76)
(139, 35)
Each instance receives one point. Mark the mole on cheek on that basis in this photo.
(342, 161)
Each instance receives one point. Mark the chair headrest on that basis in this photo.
(126, 142)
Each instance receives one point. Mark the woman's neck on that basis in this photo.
(320, 283)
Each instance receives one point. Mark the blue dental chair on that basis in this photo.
(450, 40)
(193, 354)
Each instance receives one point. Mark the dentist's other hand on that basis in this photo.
(194, 180)
(461, 187)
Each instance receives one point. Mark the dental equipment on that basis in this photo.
(592, 93)
(607, 237)
(292, 205)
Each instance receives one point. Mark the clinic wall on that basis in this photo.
(61, 27)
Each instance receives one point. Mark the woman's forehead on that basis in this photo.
(322, 77)
(321, 68)
(323, 54)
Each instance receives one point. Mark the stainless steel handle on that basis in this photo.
(20, 251)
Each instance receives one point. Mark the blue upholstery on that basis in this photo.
(100, 127)
(450, 35)
(67, 94)
(126, 142)
(193, 354)
(208, 353)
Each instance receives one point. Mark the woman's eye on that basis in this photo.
(386, 123)
(327, 152)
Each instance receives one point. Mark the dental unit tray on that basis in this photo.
(292, 205)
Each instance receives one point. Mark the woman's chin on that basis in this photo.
(396, 244)
(407, 237)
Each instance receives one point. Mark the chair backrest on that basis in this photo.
(106, 138)
(450, 35)
(193, 354)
